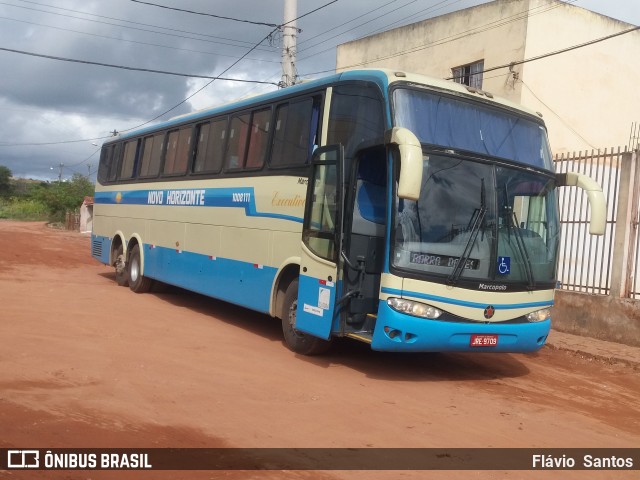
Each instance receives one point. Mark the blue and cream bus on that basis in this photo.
(406, 212)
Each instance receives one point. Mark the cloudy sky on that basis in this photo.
(55, 103)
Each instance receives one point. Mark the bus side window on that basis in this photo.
(114, 162)
(259, 138)
(106, 157)
(296, 132)
(356, 116)
(210, 139)
(127, 171)
(237, 145)
(178, 151)
(151, 155)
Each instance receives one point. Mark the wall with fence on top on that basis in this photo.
(597, 274)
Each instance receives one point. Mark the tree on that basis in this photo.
(62, 196)
(5, 181)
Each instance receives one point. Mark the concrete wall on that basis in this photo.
(597, 316)
(437, 45)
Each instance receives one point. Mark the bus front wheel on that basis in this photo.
(297, 341)
(137, 282)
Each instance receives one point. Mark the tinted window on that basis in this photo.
(294, 136)
(210, 147)
(356, 116)
(178, 150)
(106, 157)
(465, 125)
(259, 138)
(234, 158)
(129, 160)
(151, 155)
(114, 155)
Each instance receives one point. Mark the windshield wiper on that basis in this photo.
(476, 222)
(512, 223)
(524, 252)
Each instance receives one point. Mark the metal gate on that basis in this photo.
(585, 260)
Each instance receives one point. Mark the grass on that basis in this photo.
(23, 209)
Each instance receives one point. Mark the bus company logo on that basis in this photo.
(280, 200)
(118, 197)
(23, 459)
(489, 312)
(488, 287)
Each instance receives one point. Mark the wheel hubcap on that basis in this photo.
(292, 318)
(134, 270)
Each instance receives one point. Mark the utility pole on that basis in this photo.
(289, 37)
(60, 172)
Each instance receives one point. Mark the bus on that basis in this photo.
(410, 213)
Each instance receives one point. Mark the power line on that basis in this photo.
(348, 21)
(135, 41)
(228, 68)
(384, 28)
(559, 117)
(62, 142)
(136, 69)
(176, 105)
(136, 28)
(414, 15)
(432, 8)
(458, 36)
(172, 108)
(83, 161)
(557, 52)
(272, 25)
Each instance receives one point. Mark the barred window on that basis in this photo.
(470, 74)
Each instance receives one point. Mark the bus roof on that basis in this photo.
(382, 77)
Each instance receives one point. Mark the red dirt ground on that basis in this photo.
(85, 363)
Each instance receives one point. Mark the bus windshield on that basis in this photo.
(450, 122)
(479, 222)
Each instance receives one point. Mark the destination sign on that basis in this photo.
(442, 260)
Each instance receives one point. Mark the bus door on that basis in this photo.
(364, 239)
(319, 286)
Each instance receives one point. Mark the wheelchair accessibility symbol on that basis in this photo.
(504, 265)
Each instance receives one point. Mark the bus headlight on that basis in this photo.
(416, 309)
(539, 315)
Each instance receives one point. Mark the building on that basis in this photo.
(588, 96)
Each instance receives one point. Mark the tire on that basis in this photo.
(137, 282)
(120, 264)
(298, 342)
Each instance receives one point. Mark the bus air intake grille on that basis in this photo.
(96, 248)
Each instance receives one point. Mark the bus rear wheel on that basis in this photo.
(137, 282)
(121, 267)
(297, 341)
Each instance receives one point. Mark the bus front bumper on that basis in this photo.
(399, 332)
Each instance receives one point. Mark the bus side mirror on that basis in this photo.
(410, 161)
(596, 198)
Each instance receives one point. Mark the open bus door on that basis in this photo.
(321, 244)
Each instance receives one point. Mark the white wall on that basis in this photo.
(437, 45)
(589, 97)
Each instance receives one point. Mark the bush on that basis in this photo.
(23, 209)
(62, 196)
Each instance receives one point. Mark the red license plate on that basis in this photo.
(483, 340)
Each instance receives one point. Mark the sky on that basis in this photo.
(54, 115)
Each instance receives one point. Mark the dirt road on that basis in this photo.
(85, 363)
